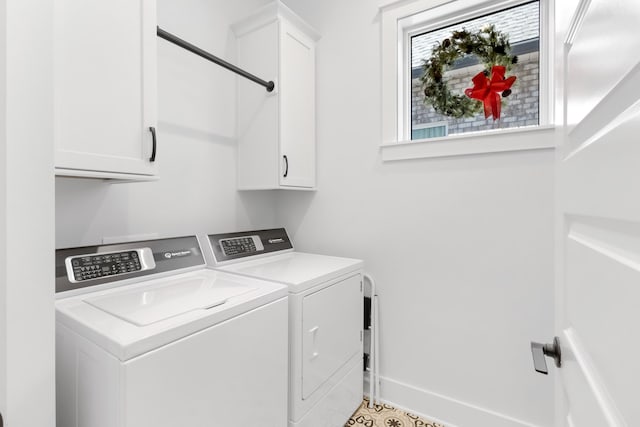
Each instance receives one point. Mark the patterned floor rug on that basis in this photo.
(383, 415)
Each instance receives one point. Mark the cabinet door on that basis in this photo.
(297, 108)
(331, 331)
(257, 125)
(105, 85)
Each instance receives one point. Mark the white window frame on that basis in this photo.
(401, 19)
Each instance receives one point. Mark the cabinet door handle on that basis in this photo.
(286, 166)
(154, 141)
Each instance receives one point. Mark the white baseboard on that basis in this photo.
(441, 409)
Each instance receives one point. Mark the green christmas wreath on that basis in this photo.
(489, 45)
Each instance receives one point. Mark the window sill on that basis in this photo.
(495, 141)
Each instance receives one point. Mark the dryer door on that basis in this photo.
(331, 328)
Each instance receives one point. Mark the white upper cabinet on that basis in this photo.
(105, 88)
(276, 130)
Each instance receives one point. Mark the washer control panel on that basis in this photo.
(241, 245)
(82, 268)
(98, 265)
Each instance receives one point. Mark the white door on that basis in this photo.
(27, 208)
(598, 292)
(105, 85)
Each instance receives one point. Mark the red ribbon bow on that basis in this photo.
(488, 90)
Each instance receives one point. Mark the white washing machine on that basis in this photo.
(147, 336)
(325, 320)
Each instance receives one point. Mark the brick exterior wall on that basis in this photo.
(521, 108)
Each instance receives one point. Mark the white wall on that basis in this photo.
(26, 214)
(196, 146)
(461, 247)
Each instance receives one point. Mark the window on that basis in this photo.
(520, 108)
(410, 30)
(429, 130)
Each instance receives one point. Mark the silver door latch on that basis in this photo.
(539, 351)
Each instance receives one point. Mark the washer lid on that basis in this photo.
(144, 306)
(130, 320)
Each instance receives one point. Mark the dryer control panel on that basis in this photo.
(242, 245)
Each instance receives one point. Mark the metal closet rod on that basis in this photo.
(269, 85)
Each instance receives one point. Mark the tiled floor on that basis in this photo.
(386, 416)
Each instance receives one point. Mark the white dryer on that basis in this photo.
(147, 336)
(325, 320)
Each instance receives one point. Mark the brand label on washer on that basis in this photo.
(176, 254)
